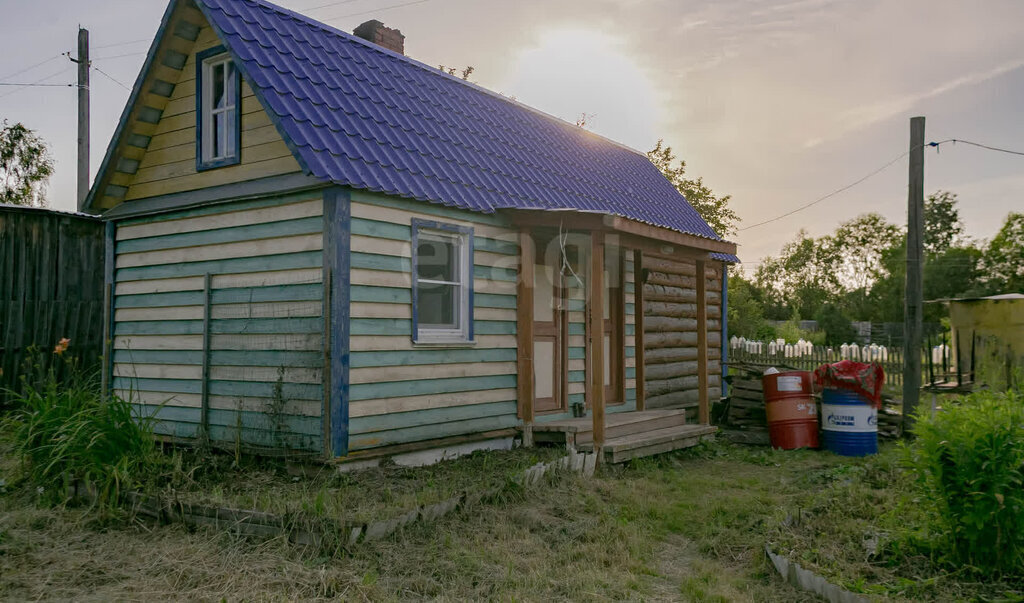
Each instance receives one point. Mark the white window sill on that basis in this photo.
(443, 343)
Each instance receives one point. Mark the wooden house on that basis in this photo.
(315, 243)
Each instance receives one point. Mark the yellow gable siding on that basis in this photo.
(169, 162)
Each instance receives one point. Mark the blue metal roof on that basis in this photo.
(362, 116)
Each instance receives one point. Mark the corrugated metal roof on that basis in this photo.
(362, 116)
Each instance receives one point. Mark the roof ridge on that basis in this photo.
(432, 70)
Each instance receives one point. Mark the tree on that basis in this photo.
(1003, 261)
(942, 225)
(800, 279)
(714, 209)
(836, 325)
(746, 312)
(857, 249)
(25, 166)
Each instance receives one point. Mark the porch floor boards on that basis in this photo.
(628, 435)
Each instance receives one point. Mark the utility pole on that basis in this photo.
(83, 114)
(913, 299)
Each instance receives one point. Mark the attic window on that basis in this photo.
(218, 119)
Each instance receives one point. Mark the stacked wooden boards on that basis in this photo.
(746, 404)
(670, 332)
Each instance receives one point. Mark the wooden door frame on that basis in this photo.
(560, 333)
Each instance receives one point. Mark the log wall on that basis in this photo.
(670, 332)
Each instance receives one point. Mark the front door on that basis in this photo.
(550, 333)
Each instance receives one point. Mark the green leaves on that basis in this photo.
(714, 209)
(25, 166)
(969, 461)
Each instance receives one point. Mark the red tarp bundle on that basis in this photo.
(865, 379)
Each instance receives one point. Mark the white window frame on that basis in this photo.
(462, 238)
(230, 142)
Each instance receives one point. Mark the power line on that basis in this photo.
(39, 81)
(121, 44)
(30, 67)
(828, 196)
(935, 145)
(22, 85)
(118, 56)
(329, 4)
(376, 10)
(975, 144)
(112, 78)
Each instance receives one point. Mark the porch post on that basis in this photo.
(596, 333)
(524, 333)
(704, 409)
(638, 316)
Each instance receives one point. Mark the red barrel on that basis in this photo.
(792, 412)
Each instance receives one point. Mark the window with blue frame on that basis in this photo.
(442, 288)
(218, 110)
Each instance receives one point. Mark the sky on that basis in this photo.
(774, 103)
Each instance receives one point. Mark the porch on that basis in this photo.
(627, 435)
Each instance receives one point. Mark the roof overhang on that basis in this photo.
(653, 240)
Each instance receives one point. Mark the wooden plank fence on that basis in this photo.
(51, 287)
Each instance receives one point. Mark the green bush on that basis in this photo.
(64, 431)
(969, 459)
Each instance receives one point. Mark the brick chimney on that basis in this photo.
(374, 31)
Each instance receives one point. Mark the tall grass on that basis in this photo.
(969, 460)
(63, 431)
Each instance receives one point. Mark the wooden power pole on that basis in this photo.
(83, 115)
(913, 298)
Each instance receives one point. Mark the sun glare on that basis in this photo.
(572, 72)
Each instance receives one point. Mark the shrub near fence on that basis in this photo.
(804, 356)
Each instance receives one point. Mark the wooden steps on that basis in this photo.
(659, 441)
(576, 432)
(628, 435)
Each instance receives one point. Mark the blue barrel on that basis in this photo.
(849, 423)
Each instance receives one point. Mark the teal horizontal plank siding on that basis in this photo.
(228, 326)
(577, 328)
(427, 208)
(403, 232)
(577, 376)
(577, 305)
(434, 431)
(429, 416)
(394, 389)
(254, 389)
(373, 261)
(262, 358)
(630, 308)
(381, 230)
(209, 210)
(282, 261)
(428, 356)
(630, 372)
(385, 295)
(231, 418)
(401, 326)
(234, 295)
(494, 300)
(576, 353)
(630, 351)
(505, 247)
(495, 274)
(391, 263)
(251, 232)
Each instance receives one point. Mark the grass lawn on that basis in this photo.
(689, 526)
